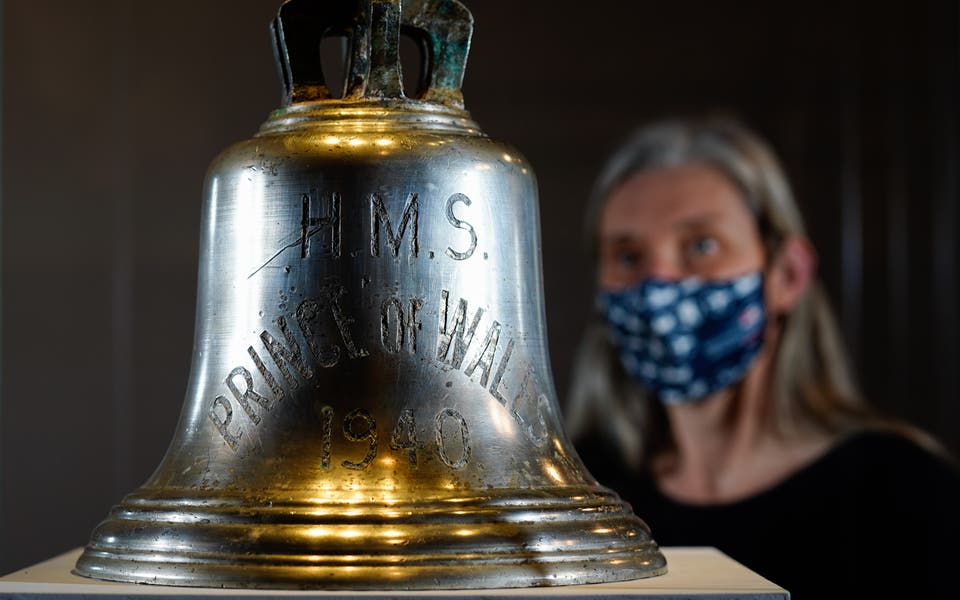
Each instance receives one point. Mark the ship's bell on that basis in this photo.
(370, 404)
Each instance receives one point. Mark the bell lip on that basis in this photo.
(451, 578)
(494, 572)
(519, 538)
(370, 115)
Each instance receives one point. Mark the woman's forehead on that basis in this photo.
(673, 198)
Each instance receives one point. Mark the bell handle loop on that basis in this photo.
(444, 27)
(297, 31)
(384, 35)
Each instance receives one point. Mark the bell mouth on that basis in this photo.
(366, 115)
(443, 540)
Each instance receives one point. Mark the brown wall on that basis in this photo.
(112, 110)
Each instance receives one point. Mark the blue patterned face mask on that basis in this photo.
(684, 340)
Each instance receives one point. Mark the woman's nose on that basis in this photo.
(664, 265)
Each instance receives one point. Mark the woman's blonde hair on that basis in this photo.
(812, 382)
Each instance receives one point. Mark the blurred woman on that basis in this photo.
(713, 393)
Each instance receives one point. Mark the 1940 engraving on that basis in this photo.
(450, 436)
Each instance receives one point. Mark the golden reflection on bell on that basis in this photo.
(370, 404)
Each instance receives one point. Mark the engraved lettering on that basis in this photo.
(455, 334)
(413, 325)
(290, 354)
(401, 328)
(326, 433)
(369, 435)
(484, 358)
(344, 322)
(442, 438)
(404, 436)
(248, 395)
(272, 382)
(392, 338)
(311, 226)
(223, 423)
(379, 215)
(305, 226)
(461, 225)
(498, 376)
(529, 408)
(534, 423)
(308, 315)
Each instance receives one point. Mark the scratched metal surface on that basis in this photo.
(370, 404)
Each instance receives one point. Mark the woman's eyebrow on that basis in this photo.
(697, 222)
(619, 238)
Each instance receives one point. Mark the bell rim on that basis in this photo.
(499, 576)
(455, 572)
(520, 538)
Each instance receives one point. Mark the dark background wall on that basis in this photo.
(113, 109)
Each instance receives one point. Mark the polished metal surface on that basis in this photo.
(370, 403)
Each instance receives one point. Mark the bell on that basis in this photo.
(370, 404)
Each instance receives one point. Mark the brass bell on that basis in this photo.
(370, 403)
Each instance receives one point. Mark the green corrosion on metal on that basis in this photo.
(374, 26)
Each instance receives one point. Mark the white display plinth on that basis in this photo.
(694, 573)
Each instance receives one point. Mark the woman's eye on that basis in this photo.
(703, 246)
(628, 259)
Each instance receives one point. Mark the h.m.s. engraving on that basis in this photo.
(311, 225)
(380, 218)
(453, 220)
(322, 227)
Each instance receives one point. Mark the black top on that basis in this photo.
(875, 517)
